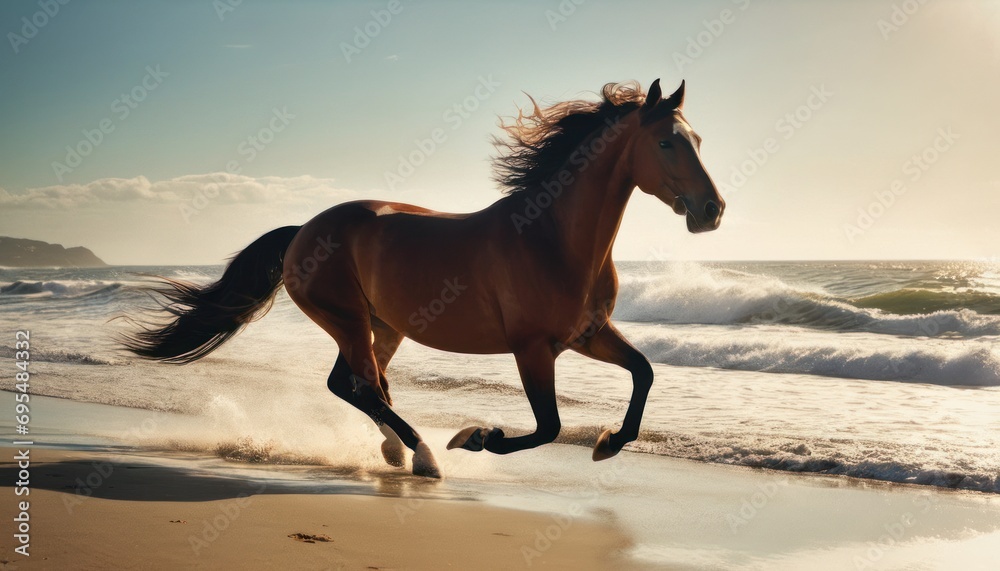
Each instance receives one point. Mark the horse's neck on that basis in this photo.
(590, 211)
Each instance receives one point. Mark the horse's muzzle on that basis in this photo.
(707, 219)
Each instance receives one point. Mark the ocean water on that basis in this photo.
(881, 370)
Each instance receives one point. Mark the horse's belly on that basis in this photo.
(479, 345)
(448, 323)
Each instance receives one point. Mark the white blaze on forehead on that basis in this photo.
(681, 127)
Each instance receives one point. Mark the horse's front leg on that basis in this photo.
(610, 346)
(536, 365)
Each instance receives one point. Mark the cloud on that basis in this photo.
(223, 188)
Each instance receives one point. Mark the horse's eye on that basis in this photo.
(665, 144)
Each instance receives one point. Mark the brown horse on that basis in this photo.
(530, 275)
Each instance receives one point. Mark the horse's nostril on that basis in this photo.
(711, 210)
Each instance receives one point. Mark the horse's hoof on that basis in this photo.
(472, 438)
(394, 453)
(392, 448)
(603, 450)
(423, 462)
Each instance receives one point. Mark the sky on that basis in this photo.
(158, 132)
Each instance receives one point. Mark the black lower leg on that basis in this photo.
(497, 443)
(642, 381)
(363, 397)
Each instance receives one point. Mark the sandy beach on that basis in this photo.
(98, 504)
(141, 515)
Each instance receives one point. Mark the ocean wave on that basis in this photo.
(693, 294)
(967, 364)
(475, 385)
(66, 289)
(199, 276)
(908, 301)
(58, 356)
(71, 357)
(853, 458)
(844, 457)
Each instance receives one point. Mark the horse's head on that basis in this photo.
(666, 161)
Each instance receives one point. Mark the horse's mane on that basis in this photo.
(538, 145)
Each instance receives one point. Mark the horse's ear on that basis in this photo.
(676, 100)
(654, 95)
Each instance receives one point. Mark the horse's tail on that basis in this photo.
(205, 317)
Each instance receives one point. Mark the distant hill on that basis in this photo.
(21, 253)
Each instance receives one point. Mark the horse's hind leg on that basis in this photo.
(386, 341)
(359, 393)
(356, 378)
